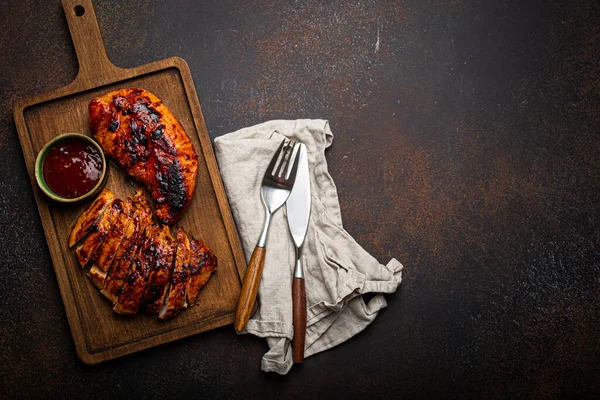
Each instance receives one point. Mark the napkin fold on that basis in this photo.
(337, 270)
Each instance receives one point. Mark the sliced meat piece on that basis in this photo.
(122, 264)
(98, 233)
(142, 217)
(138, 131)
(160, 275)
(131, 295)
(105, 254)
(175, 298)
(91, 214)
(202, 264)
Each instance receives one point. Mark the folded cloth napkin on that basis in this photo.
(337, 270)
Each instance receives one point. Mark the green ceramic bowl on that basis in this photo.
(39, 163)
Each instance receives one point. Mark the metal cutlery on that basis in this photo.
(298, 213)
(276, 187)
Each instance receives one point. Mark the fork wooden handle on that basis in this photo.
(247, 301)
(299, 319)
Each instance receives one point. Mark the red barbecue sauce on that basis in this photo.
(72, 168)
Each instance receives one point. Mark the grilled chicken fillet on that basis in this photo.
(137, 130)
(98, 233)
(91, 215)
(202, 264)
(103, 259)
(134, 235)
(175, 299)
(162, 266)
(131, 295)
(135, 262)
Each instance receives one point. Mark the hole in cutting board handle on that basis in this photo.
(79, 10)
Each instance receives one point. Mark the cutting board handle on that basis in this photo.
(94, 64)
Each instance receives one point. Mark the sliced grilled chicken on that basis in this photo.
(138, 131)
(160, 275)
(105, 254)
(98, 233)
(175, 298)
(134, 235)
(202, 264)
(136, 263)
(131, 295)
(91, 214)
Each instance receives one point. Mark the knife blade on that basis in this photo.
(298, 215)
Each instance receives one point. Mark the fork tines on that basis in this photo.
(280, 163)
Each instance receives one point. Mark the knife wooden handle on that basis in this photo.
(247, 301)
(299, 319)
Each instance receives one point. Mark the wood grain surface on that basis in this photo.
(100, 334)
(299, 319)
(246, 305)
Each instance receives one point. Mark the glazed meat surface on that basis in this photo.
(137, 130)
(162, 266)
(135, 262)
(175, 299)
(202, 264)
(134, 235)
(131, 296)
(90, 216)
(97, 233)
(105, 254)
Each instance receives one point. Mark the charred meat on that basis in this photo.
(90, 216)
(138, 131)
(175, 299)
(98, 233)
(202, 264)
(105, 254)
(131, 295)
(134, 235)
(136, 263)
(162, 267)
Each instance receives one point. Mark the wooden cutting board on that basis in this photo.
(100, 334)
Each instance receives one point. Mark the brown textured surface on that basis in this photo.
(299, 319)
(99, 334)
(473, 128)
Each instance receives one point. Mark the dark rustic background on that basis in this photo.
(467, 146)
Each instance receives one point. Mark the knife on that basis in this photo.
(298, 212)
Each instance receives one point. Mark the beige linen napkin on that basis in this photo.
(337, 270)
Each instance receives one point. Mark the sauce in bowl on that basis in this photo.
(72, 167)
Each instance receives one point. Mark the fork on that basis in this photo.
(276, 187)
